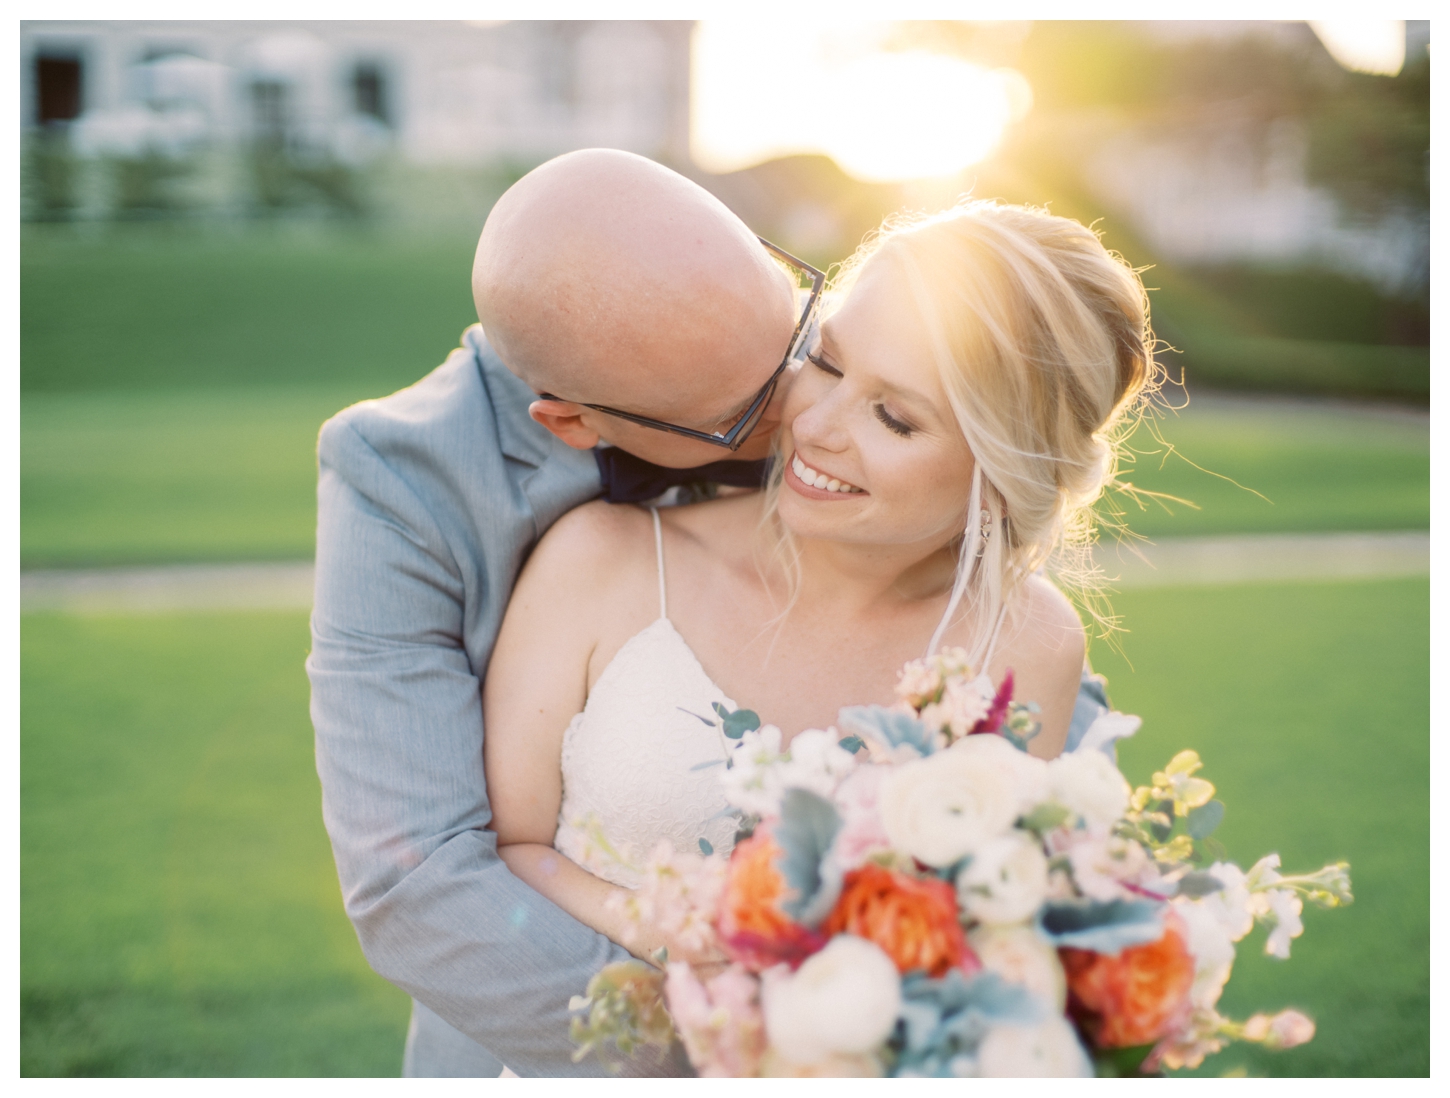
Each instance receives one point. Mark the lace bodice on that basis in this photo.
(638, 766)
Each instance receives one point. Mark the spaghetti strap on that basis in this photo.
(659, 558)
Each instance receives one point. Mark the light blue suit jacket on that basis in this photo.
(428, 503)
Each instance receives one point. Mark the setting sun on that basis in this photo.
(882, 116)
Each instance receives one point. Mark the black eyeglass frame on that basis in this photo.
(734, 438)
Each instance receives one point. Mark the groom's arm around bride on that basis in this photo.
(428, 503)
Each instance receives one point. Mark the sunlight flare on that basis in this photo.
(882, 116)
(1364, 45)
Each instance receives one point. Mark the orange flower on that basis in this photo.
(753, 928)
(913, 919)
(1135, 998)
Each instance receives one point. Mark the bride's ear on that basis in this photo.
(565, 421)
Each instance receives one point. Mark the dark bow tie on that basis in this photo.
(628, 479)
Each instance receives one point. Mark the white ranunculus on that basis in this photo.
(843, 1001)
(1212, 949)
(752, 783)
(817, 762)
(1005, 882)
(943, 807)
(1090, 785)
(1048, 1050)
(1020, 955)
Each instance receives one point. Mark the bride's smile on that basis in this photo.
(814, 484)
(868, 410)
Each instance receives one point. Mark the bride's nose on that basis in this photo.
(822, 423)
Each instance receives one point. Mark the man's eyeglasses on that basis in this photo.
(735, 436)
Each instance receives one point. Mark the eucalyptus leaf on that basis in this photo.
(1203, 821)
(1198, 883)
(852, 743)
(706, 848)
(740, 722)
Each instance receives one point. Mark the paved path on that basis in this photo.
(1169, 562)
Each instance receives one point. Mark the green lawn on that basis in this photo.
(175, 306)
(1274, 465)
(130, 477)
(180, 914)
(174, 379)
(1310, 705)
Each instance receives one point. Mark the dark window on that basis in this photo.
(370, 90)
(57, 88)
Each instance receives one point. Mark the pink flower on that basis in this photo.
(862, 833)
(961, 710)
(679, 895)
(719, 1021)
(1107, 868)
(1284, 1030)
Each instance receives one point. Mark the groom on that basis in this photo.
(628, 315)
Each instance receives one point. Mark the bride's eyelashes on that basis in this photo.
(896, 426)
(820, 363)
(891, 423)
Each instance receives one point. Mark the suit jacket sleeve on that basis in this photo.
(403, 621)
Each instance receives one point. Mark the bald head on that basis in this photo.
(605, 278)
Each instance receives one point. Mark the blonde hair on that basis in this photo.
(1042, 339)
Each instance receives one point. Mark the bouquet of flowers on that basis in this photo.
(913, 894)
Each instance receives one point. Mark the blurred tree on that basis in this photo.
(1369, 140)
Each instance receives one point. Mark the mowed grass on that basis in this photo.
(1309, 705)
(1257, 466)
(137, 477)
(172, 306)
(182, 475)
(180, 913)
(174, 379)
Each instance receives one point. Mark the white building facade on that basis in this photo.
(424, 93)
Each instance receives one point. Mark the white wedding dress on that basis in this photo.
(639, 765)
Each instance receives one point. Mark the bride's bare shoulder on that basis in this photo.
(1050, 623)
(595, 545)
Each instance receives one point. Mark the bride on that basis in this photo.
(953, 425)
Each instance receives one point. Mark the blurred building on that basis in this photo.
(431, 120)
(343, 94)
